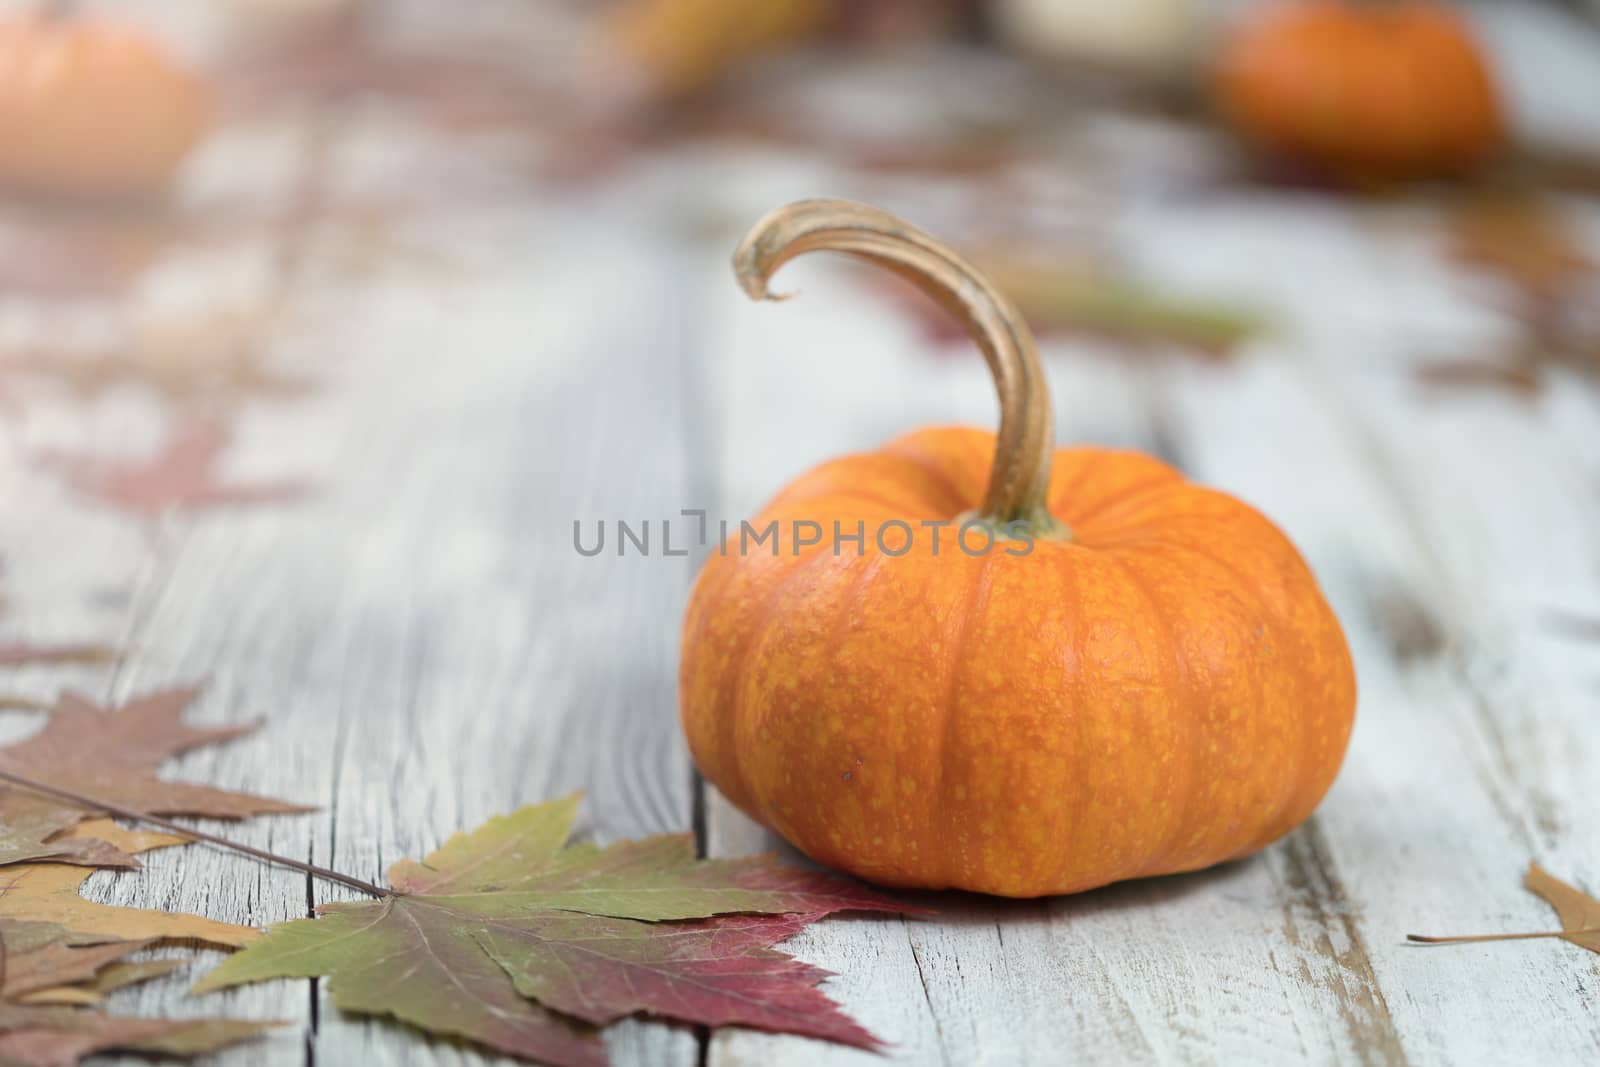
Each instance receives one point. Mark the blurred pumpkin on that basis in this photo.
(1107, 672)
(90, 108)
(1364, 91)
(1155, 38)
(680, 47)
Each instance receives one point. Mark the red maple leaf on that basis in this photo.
(182, 475)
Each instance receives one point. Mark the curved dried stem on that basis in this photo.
(1019, 480)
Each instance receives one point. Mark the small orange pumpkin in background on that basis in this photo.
(1366, 91)
(91, 109)
(682, 47)
(1155, 684)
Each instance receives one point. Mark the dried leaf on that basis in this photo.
(506, 913)
(59, 964)
(1527, 242)
(1066, 299)
(1578, 912)
(113, 754)
(1522, 377)
(1524, 240)
(17, 935)
(48, 893)
(182, 475)
(31, 829)
(45, 963)
(61, 1037)
(110, 979)
(22, 653)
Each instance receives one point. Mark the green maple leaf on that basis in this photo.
(505, 916)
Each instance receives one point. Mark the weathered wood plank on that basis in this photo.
(1483, 510)
(428, 648)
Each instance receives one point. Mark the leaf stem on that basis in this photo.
(1421, 940)
(83, 800)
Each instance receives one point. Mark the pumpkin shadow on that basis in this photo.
(1140, 894)
(959, 908)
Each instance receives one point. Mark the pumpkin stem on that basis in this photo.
(1019, 481)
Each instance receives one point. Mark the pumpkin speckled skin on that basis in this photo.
(1367, 92)
(91, 109)
(1166, 691)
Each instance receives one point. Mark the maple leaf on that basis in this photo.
(32, 1036)
(504, 916)
(1071, 299)
(1578, 912)
(58, 963)
(45, 963)
(48, 893)
(18, 653)
(182, 475)
(113, 755)
(31, 830)
(1526, 241)
(109, 979)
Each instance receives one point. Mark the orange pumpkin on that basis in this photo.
(1366, 91)
(682, 47)
(93, 109)
(1138, 676)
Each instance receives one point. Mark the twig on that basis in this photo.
(83, 800)
(1421, 940)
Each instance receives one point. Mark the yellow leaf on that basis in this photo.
(48, 892)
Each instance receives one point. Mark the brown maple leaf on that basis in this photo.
(45, 963)
(1578, 912)
(58, 963)
(32, 830)
(53, 252)
(1523, 240)
(36, 1036)
(182, 475)
(18, 653)
(1527, 243)
(107, 980)
(112, 754)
